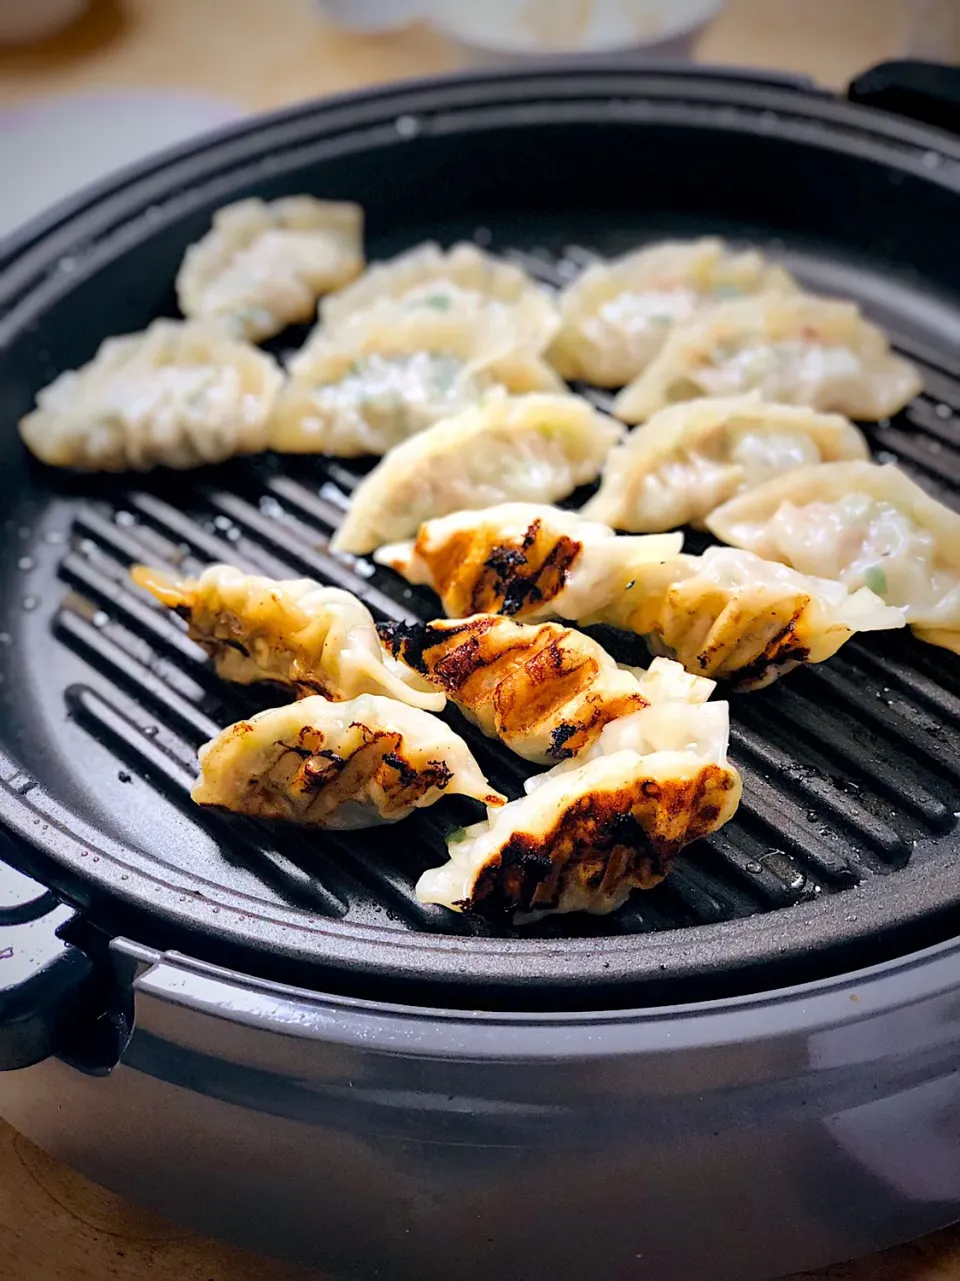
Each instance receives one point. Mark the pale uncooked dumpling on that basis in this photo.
(538, 447)
(691, 457)
(617, 315)
(264, 264)
(180, 394)
(391, 374)
(794, 348)
(864, 524)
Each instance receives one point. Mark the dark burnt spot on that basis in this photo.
(408, 775)
(297, 749)
(532, 534)
(504, 560)
(709, 813)
(439, 773)
(651, 789)
(557, 740)
(411, 641)
(185, 612)
(783, 652)
(233, 644)
(315, 775)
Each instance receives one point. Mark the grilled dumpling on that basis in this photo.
(340, 765)
(864, 524)
(733, 616)
(616, 315)
(529, 561)
(538, 447)
(794, 348)
(463, 279)
(318, 640)
(264, 264)
(592, 829)
(691, 457)
(178, 395)
(544, 690)
(383, 378)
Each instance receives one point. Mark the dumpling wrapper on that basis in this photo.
(616, 315)
(538, 447)
(529, 561)
(691, 457)
(263, 265)
(864, 524)
(315, 639)
(591, 830)
(385, 377)
(544, 690)
(794, 348)
(463, 278)
(179, 395)
(737, 618)
(338, 765)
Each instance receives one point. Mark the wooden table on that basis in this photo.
(55, 1225)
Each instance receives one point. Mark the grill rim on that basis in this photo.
(516, 962)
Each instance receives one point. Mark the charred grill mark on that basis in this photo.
(558, 738)
(517, 587)
(411, 641)
(603, 842)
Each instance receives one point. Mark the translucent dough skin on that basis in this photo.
(263, 265)
(338, 765)
(691, 457)
(861, 523)
(178, 395)
(734, 617)
(312, 638)
(537, 447)
(617, 314)
(393, 372)
(795, 348)
(426, 270)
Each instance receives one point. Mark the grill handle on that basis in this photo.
(924, 91)
(44, 980)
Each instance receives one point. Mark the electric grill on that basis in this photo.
(260, 1031)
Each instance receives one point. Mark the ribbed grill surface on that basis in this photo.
(850, 769)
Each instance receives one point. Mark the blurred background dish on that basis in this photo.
(511, 30)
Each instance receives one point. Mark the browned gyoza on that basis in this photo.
(546, 690)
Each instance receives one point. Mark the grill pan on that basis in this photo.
(845, 850)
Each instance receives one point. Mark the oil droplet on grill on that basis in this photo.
(754, 866)
(270, 507)
(124, 518)
(29, 603)
(151, 731)
(25, 563)
(5, 638)
(100, 619)
(407, 126)
(943, 411)
(931, 160)
(54, 537)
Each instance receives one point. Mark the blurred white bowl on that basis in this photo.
(498, 31)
